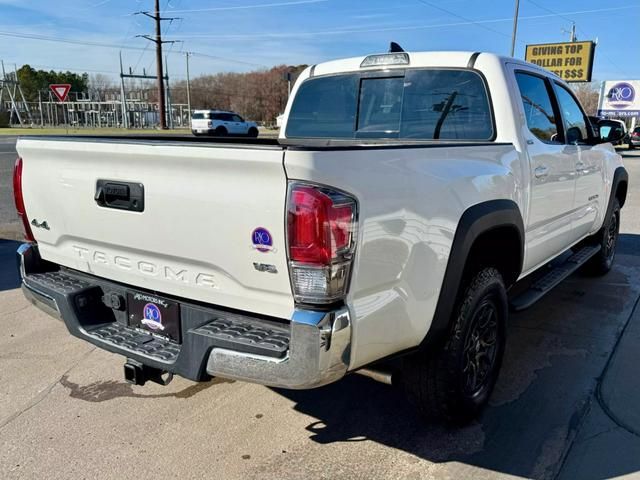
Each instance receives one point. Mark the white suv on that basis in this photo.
(221, 123)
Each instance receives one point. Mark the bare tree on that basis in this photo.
(588, 94)
(259, 95)
(100, 86)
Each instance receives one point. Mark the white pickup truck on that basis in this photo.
(411, 201)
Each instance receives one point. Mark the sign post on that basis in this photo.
(571, 61)
(61, 92)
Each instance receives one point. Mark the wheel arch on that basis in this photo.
(619, 187)
(492, 223)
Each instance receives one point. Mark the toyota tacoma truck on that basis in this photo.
(411, 201)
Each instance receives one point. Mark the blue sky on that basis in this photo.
(241, 35)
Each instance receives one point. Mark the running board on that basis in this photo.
(549, 281)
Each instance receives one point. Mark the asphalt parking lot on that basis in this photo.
(566, 405)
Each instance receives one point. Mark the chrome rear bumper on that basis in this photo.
(318, 354)
(319, 342)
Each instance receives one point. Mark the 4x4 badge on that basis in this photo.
(44, 224)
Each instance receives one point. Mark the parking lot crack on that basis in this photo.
(43, 394)
(599, 395)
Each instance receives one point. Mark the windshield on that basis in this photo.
(427, 104)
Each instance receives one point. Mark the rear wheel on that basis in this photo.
(220, 132)
(253, 132)
(607, 238)
(453, 384)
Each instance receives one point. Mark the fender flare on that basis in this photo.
(475, 221)
(619, 176)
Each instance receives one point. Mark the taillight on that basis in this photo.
(635, 134)
(321, 224)
(19, 200)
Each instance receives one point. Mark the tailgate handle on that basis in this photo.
(120, 195)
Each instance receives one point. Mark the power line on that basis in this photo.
(249, 7)
(542, 7)
(157, 39)
(582, 32)
(215, 57)
(302, 34)
(453, 14)
(140, 57)
(166, 32)
(85, 43)
(350, 31)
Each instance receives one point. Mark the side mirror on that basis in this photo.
(610, 131)
(595, 129)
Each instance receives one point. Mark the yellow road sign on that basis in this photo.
(572, 61)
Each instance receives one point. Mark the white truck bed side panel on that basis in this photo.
(406, 228)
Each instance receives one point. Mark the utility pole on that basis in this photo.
(12, 85)
(515, 28)
(157, 39)
(40, 106)
(187, 55)
(123, 98)
(159, 70)
(573, 32)
(169, 107)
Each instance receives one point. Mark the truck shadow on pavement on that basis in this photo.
(9, 276)
(104, 391)
(556, 353)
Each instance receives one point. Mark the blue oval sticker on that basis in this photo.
(262, 239)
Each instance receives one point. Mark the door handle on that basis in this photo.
(541, 171)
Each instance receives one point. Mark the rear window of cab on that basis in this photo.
(420, 104)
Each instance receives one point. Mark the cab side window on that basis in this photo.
(575, 123)
(538, 108)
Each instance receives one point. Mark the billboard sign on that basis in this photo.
(571, 61)
(620, 98)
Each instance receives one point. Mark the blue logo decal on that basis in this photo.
(621, 95)
(152, 317)
(262, 240)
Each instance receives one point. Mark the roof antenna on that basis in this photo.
(394, 48)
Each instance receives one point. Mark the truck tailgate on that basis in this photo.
(195, 237)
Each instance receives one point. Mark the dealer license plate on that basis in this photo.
(155, 314)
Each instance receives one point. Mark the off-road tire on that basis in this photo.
(220, 132)
(607, 238)
(437, 383)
